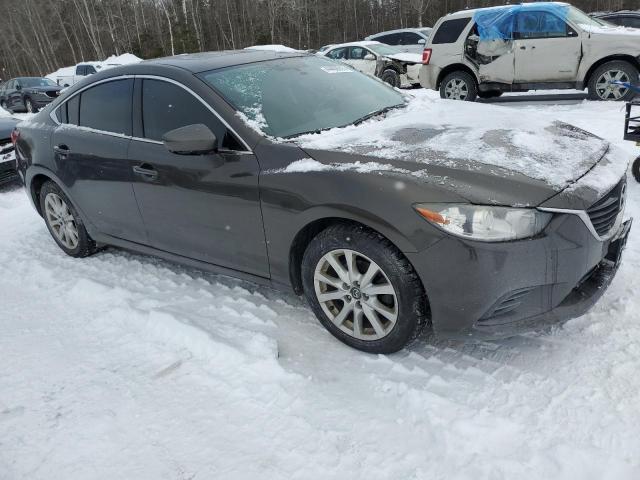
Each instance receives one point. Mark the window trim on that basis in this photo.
(52, 114)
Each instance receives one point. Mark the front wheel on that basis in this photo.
(635, 169)
(363, 290)
(64, 223)
(29, 106)
(603, 84)
(3, 105)
(459, 86)
(391, 77)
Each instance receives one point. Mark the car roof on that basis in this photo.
(400, 30)
(363, 43)
(470, 12)
(202, 62)
(616, 13)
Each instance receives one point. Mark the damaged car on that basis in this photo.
(390, 214)
(530, 46)
(390, 64)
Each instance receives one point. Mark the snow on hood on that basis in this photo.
(612, 30)
(471, 135)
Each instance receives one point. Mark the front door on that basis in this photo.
(90, 149)
(547, 49)
(204, 207)
(362, 59)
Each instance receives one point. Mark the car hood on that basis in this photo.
(50, 88)
(486, 154)
(631, 34)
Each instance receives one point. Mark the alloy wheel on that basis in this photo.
(456, 89)
(355, 294)
(61, 221)
(606, 90)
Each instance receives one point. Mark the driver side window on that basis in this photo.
(358, 53)
(530, 25)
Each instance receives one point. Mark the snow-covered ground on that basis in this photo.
(125, 366)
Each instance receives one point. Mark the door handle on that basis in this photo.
(62, 150)
(522, 47)
(145, 170)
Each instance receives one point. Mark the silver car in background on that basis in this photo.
(411, 40)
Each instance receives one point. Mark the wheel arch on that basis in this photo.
(307, 233)
(454, 68)
(611, 58)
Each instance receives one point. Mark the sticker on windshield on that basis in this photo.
(337, 69)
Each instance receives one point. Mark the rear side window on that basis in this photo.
(389, 39)
(166, 106)
(410, 38)
(338, 53)
(107, 107)
(539, 25)
(450, 30)
(73, 110)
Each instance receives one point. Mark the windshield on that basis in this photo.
(291, 96)
(36, 82)
(578, 17)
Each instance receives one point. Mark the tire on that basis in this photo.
(391, 77)
(29, 106)
(3, 105)
(616, 70)
(84, 245)
(490, 94)
(459, 85)
(635, 169)
(408, 301)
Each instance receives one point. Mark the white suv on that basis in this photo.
(531, 46)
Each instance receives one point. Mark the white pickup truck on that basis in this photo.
(65, 77)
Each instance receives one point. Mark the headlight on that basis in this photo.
(485, 223)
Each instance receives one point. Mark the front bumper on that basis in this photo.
(485, 291)
(8, 172)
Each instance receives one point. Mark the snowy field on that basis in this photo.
(122, 366)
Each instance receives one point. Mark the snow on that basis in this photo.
(274, 48)
(125, 366)
(311, 165)
(538, 146)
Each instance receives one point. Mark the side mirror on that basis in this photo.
(422, 41)
(18, 87)
(190, 140)
(369, 56)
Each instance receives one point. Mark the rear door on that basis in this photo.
(205, 207)
(90, 148)
(547, 49)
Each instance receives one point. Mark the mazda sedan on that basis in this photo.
(388, 213)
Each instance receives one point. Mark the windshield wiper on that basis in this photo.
(375, 113)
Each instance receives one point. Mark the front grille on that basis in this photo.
(6, 147)
(604, 212)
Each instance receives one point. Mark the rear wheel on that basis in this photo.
(635, 169)
(602, 84)
(391, 77)
(363, 290)
(459, 86)
(64, 223)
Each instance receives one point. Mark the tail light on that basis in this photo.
(15, 135)
(426, 56)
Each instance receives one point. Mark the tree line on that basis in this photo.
(40, 36)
